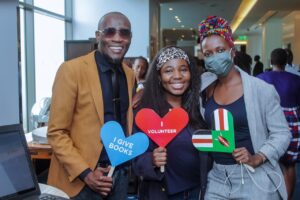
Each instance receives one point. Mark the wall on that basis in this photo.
(9, 76)
(87, 13)
(296, 44)
(254, 46)
(271, 39)
(187, 45)
(154, 28)
(291, 28)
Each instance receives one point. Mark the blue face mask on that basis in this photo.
(219, 63)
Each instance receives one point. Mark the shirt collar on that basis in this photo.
(103, 63)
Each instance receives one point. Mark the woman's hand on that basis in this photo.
(159, 157)
(242, 155)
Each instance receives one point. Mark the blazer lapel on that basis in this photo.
(250, 106)
(127, 72)
(94, 84)
(130, 81)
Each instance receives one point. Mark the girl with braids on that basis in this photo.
(172, 82)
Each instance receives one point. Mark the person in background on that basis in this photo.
(200, 64)
(87, 92)
(243, 60)
(258, 67)
(261, 131)
(290, 66)
(288, 88)
(140, 68)
(173, 82)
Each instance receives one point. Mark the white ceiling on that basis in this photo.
(191, 12)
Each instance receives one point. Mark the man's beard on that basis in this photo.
(115, 61)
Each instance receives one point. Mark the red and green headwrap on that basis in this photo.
(214, 25)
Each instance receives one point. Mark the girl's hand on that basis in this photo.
(159, 157)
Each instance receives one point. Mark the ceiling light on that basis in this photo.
(240, 42)
(241, 13)
(170, 9)
(191, 29)
(176, 17)
(182, 26)
(266, 16)
(182, 36)
(174, 29)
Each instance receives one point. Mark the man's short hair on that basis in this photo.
(279, 57)
(112, 13)
(256, 58)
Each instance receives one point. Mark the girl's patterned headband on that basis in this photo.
(169, 54)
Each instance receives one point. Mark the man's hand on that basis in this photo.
(99, 182)
(160, 157)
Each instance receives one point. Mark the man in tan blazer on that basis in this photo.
(85, 96)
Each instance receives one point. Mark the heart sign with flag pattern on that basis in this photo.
(221, 138)
(120, 149)
(162, 130)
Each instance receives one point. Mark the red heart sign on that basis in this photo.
(161, 130)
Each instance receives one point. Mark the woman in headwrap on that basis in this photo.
(172, 82)
(260, 129)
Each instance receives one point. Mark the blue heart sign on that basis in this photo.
(120, 149)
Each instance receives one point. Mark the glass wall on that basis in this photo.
(22, 64)
(43, 25)
(56, 6)
(49, 36)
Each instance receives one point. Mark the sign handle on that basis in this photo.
(251, 169)
(111, 171)
(162, 169)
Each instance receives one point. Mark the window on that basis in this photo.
(23, 69)
(57, 6)
(43, 28)
(49, 36)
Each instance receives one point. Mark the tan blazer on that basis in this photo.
(76, 116)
